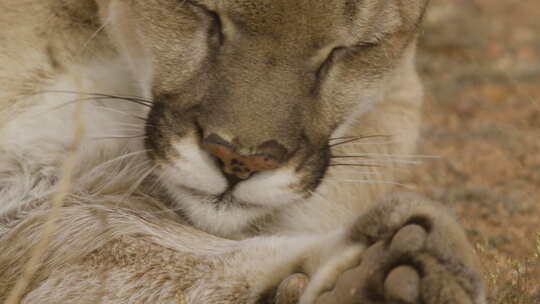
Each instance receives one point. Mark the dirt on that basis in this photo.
(480, 62)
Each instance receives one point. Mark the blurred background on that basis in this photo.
(480, 62)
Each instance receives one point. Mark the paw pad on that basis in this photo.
(410, 238)
(402, 285)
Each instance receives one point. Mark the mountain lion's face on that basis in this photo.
(247, 93)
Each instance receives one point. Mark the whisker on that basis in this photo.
(356, 139)
(131, 170)
(365, 173)
(94, 99)
(95, 94)
(157, 181)
(98, 96)
(118, 137)
(349, 156)
(366, 181)
(136, 126)
(127, 130)
(138, 182)
(379, 160)
(353, 165)
(386, 156)
(375, 143)
(387, 161)
(153, 187)
(139, 102)
(57, 107)
(116, 159)
(315, 193)
(142, 118)
(95, 34)
(121, 112)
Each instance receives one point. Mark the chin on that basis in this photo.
(210, 205)
(222, 215)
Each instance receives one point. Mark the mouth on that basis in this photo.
(228, 210)
(223, 201)
(228, 200)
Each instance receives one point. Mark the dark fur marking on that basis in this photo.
(351, 9)
(51, 56)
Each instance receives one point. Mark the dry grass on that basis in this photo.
(57, 200)
(480, 61)
(512, 281)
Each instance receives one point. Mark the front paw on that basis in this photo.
(417, 254)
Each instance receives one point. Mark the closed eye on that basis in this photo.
(216, 30)
(327, 63)
(366, 45)
(338, 52)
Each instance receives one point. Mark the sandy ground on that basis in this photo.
(480, 61)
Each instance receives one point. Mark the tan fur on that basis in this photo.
(119, 239)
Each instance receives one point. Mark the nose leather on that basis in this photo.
(241, 166)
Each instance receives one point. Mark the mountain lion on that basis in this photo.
(217, 151)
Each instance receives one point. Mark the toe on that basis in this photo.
(410, 238)
(291, 289)
(402, 285)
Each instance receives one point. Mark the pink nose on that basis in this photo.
(241, 166)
